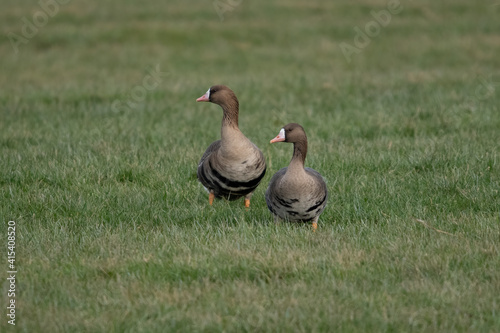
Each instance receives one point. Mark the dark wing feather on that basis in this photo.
(321, 191)
(270, 189)
(212, 148)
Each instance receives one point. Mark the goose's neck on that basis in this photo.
(230, 131)
(230, 113)
(299, 155)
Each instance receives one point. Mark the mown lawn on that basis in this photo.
(100, 136)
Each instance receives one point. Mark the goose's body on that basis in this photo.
(233, 166)
(296, 193)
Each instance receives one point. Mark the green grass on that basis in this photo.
(114, 232)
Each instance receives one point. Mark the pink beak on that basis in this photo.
(280, 137)
(204, 98)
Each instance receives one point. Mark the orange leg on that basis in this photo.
(211, 197)
(247, 200)
(315, 224)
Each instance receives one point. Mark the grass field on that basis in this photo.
(100, 136)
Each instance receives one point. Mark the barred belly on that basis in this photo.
(224, 185)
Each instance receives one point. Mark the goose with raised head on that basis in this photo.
(296, 193)
(233, 166)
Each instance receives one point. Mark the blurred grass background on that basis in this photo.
(114, 232)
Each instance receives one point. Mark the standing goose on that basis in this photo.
(296, 193)
(233, 166)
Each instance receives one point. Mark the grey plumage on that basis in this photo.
(230, 180)
(302, 205)
(296, 193)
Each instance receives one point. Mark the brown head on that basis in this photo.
(225, 97)
(294, 133)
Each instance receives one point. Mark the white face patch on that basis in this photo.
(207, 94)
(282, 133)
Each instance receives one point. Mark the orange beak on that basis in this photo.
(204, 98)
(280, 137)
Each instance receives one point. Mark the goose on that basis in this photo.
(233, 166)
(296, 193)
